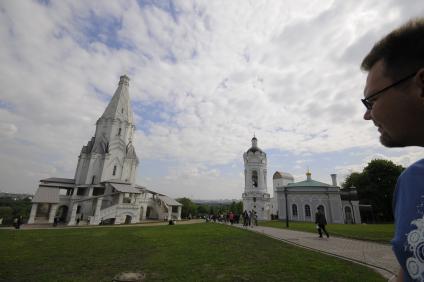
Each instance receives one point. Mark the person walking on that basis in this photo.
(250, 218)
(231, 217)
(321, 221)
(255, 218)
(394, 103)
(245, 218)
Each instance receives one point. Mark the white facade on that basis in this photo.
(279, 179)
(302, 199)
(104, 188)
(256, 197)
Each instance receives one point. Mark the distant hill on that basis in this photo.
(215, 202)
(15, 196)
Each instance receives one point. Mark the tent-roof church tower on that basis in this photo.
(110, 154)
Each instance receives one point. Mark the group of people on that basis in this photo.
(228, 217)
(250, 218)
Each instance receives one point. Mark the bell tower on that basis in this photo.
(256, 197)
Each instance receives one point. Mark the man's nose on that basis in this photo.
(367, 115)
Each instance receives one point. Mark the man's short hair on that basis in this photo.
(402, 50)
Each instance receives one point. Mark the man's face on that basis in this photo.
(398, 112)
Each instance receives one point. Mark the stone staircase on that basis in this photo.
(114, 211)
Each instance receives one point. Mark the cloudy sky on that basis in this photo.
(205, 76)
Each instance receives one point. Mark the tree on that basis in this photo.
(20, 207)
(375, 186)
(188, 208)
(233, 207)
(239, 207)
(202, 209)
(6, 213)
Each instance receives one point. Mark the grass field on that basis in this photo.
(381, 233)
(196, 252)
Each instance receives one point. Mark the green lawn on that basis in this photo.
(196, 252)
(382, 233)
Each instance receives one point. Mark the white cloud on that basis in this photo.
(7, 130)
(287, 70)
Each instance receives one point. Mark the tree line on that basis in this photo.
(375, 186)
(11, 208)
(197, 210)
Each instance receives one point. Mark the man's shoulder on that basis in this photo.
(416, 168)
(413, 176)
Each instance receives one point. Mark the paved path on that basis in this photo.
(377, 256)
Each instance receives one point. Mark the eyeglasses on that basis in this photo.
(367, 101)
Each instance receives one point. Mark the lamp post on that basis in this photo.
(287, 208)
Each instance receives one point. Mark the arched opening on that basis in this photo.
(255, 178)
(43, 211)
(128, 219)
(294, 210)
(148, 212)
(307, 211)
(348, 215)
(62, 213)
(152, 212)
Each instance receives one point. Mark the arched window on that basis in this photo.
(348, 214)
(307, 211)
(294, 210)
(255, 178)
(114, 170)
(119, 131)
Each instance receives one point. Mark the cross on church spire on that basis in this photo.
(254, 141)
(308, 174)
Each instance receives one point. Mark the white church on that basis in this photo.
(297, 200)
(104, 189)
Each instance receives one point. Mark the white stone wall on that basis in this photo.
(278, 182)
(336, 208)
(329, 198)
